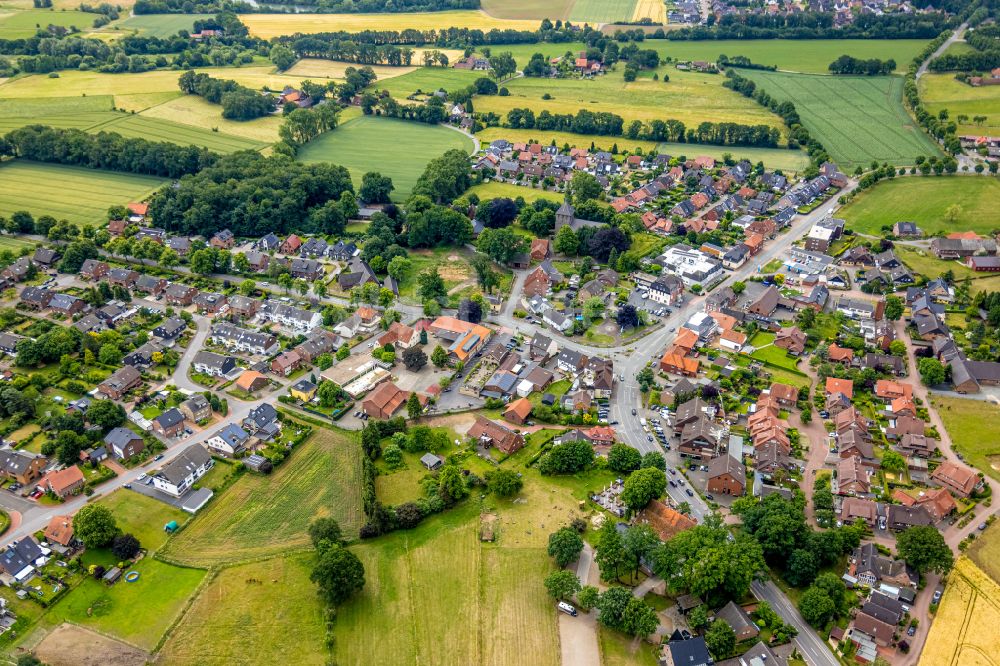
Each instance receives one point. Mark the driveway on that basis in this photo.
(578, 635)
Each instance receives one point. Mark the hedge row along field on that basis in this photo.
(857, 118)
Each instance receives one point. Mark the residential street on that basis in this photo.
(815, 649)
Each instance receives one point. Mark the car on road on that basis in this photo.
(142, 476)
(614, 423)
(689, 492)
(649, 438)
(671, 470)
(127, 486)
(982, 526)
(672, 484)
(672, 329)
(159, 456)
(824, 414)
(912, 630)
(937, 596)
(634, 412)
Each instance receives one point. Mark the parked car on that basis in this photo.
(937, 596)
(159, 456)
(912, 630)
(142, 476)
(709, 497)
(569, 609)
(689, 492)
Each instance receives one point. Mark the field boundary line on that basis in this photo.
(209, 577)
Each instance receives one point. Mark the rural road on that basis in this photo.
(578, 635)
(955, 36)
(815, 650)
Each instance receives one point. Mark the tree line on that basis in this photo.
(938, 126)
(986, 42)
(238, 102)
(605, 123)
(819, 25)
(105, 151)
(744, 62)
(432, 112)
(845, 64)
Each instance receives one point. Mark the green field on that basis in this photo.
(161, 25)
(689, 97)
(279, 620)
(970, 424)
(76, 194)
(942, 91)
(428, 80)
(985, 552)
(857, 118)
(493, 190)
(263, 516)
(22, 24)
(369, 144)
(156, 129)
(602, 11)
(924, 201)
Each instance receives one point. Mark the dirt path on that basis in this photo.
(815, 433)
(578, 635)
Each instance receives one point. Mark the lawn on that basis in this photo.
(23, 24)
(857, 118)
(620, 650)
(263, 613)
(14, 244)
(493, 190)
(367, 144)
(267, 26)
(602, 11)
(970, 424)
(924, 262)
(76, 194)
(942, 91)
(689, 97)
(924, 201)
(161, 25)
(142, 516)
(809, 56)
(766, 351)
(260, 516)
(451, 263)
(528, 9)
(561, 139)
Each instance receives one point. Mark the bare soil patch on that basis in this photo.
(70, 645)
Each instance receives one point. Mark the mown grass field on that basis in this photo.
(688, 97)
(493, 190)
(528, 9)
(395, 148)
(76, 194)
(602, 11)
(267, 26)
(964, 629)
(161, 25)
(158, 129)
(489, 134)
(858, 119)
(279, 619)
(809, 56)
(970, 424)
(262, 516)
(428, 80)
(924, 201)
(942, 91)
(23, 24)
(313, 68)
(195, 112)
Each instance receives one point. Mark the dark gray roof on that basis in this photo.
(120, 437)
(184, 464)
(170, 418)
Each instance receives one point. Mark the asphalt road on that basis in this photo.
(815, 650)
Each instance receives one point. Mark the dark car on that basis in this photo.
(689, 492)
(912, 630)
(708, 497)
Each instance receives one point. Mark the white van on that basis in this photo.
(569, 609)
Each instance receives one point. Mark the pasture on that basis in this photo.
(316, 68)
(267, 26)
(76, 194)
(161, 25)
(964, 629)
(688, 97)
(924, 201)
(157, 129)
(970, 424)
(942, 91)
(857, 118)
(493, 190)
(428, 80)
(488, 134)
(985, 552)
(262, 516)
(196, 112)
(235, 620)
(367, 144)
(23, 24)
(602, 11)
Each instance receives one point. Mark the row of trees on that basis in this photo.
(937, 125)
(105, 151)
(845, 64)
(611, 124)
(819, 25)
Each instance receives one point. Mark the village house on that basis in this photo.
(223, 240)
(64, 482)
(120, 382)
(229, 441)
(726, 476)
(286, 363)
(170, 423)
(853, 478)
(170, 329)
(490, 433)
(123, 443)
(93, 269)
(209, 302)
(243, 340)
(960, 480)
(384, 401)
(177, 476)
(179, 294)
(22, 466)
(212, 364)
(196, 408)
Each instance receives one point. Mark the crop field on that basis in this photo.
(235, 620)
(267, 515)
(970, 424)
(157, 129)
(22, 24)
(942, 91)
(688, 97)
(528, 9)
(985, 552)
(76, 194)
(964, 630)
(317, 68)
(267, 26)
(161, 25)
(602, 11)
(809, 56)
(496, 590)
(655, 10)
(367, 144)
(857, 118)
(195, 112)
(924, 201)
